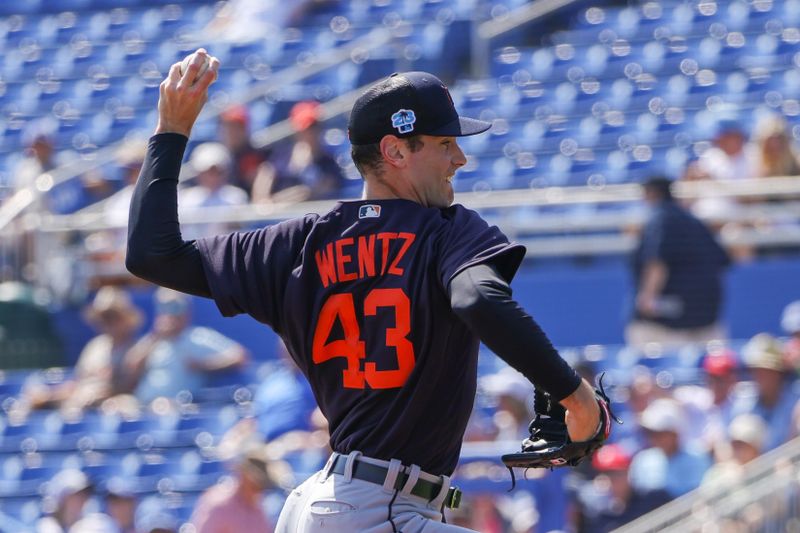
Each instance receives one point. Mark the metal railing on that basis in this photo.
(766, 498)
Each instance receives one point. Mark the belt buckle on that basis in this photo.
(453, 498)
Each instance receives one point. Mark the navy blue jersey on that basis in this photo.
(360, 297)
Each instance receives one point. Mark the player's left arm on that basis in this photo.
(482, 298)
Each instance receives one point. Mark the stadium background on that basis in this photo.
(586, 101)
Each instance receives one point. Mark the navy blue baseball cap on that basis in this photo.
(407, 104)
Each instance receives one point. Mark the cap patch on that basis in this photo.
(369, 211)
(404, 120)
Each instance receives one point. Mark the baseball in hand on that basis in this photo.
(188, 59)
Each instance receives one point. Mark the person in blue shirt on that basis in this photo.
(678, 270)
(667, 464)
(176, 356)
(773, 394)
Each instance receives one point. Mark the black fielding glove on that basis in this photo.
(549, 445)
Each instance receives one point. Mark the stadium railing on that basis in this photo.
(764, 499)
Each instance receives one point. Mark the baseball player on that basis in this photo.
(381, 301)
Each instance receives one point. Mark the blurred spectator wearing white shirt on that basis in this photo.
(65, 496)
(213, 163)
(730, 158)
(514, 395)
(708, 407)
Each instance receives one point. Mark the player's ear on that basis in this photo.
(394, 151)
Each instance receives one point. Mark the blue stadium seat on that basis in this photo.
(114, 432)
(57, 433)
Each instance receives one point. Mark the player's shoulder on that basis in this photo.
(301, 225)
(463, 218)
(458, 211)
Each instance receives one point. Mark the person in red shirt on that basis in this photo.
(234, 133)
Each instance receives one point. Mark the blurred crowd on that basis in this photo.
(219, 175)
(676, 438)
(231, 171)
(678, 435)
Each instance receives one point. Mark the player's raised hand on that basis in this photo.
(184, 92)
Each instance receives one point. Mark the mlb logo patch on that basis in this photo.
(403, 121)
(369, 211)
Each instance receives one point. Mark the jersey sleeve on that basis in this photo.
(247, 272)
(469, 241)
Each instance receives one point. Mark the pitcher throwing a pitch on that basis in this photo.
(381, 301)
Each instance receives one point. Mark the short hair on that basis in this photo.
(368, 158)
(660, 185)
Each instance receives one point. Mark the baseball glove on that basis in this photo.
(549, 444)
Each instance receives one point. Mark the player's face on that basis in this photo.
(433, 168)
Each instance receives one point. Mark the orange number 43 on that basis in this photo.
(351, 347)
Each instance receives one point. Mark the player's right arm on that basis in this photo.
(156, 252)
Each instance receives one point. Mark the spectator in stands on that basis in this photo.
(235, 505)
(667, 464)
(250, 20)
(213, 163)
(283, 401)
(636, 396)
(154, 516)
(176, 356)
(66, 495)
(106, 248)
(40, 153)
(790, 322)
(729, 159)
(745, 440)
(95, 523)
(304, 170)
(708, 407)
(121, 504)
(678, 270)
(775, 155)
(98, 372)
(513, 394)
(618, 502)
(234, 133)
(129, 159)
(774, 395)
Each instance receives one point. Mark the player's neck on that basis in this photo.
(385, 188)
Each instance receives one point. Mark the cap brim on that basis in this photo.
(462, 127)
